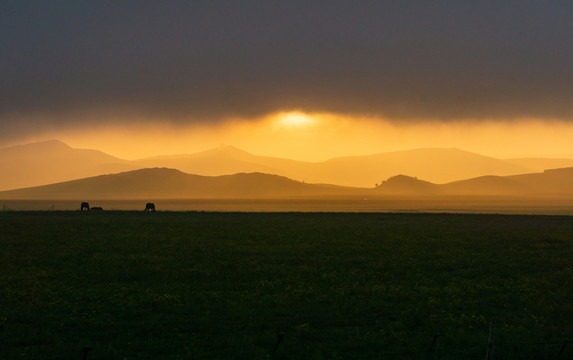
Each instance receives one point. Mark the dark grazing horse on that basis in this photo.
(85, 206)
(149, 207)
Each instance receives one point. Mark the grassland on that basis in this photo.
(192, 285)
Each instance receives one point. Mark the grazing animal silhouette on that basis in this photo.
(96, 208)
(149, 207)
(85, 206)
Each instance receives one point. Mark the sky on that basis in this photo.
(140, 78)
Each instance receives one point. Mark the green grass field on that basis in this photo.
(186, 285)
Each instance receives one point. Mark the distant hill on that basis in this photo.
(550, 183)
(555, 182)
(51, 162)
(163, 183)
(407, 185)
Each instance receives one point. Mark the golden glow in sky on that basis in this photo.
(295, 119)
(321, 136)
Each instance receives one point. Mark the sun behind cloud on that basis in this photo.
(295, 119)
(314, 136)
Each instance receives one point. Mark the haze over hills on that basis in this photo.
(435, 165)
(163, 183)
(223, 160)
(53, 161)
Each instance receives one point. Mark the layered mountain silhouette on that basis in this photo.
(53, 161)
(163, 183)
(436, 165)
(456, 171)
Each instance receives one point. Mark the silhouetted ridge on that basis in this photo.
(552, 183)
(402, 184)
(164, 183)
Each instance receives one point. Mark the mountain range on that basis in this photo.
(164, 183)
(436, 165)
(53, 161)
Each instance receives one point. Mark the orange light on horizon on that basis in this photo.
(320, 136)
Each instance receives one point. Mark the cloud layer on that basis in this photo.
(66, 63)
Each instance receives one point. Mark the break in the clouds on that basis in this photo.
(64, 62)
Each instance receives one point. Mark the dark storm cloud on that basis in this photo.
(207, 60)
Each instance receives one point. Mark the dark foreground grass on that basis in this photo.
(340, 286)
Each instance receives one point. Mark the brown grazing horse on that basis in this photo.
(149, 207)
